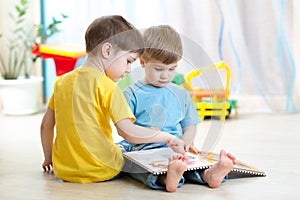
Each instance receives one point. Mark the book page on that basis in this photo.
(238, 167)
(156, 160)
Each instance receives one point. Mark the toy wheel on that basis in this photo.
(229, 111)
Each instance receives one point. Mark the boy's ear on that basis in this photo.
(142, 61)
(106, 50)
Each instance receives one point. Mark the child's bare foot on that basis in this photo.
(214, 175)
(176, 167)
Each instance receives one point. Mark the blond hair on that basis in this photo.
(163, 44)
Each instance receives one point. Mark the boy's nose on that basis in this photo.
(164, 75)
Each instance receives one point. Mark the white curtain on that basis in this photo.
(258, 40)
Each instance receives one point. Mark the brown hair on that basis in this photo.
(163, 44)
(116, 30)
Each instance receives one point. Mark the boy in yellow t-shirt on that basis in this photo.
(84, 102)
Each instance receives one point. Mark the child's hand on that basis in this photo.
(47, 166)
(191, 148)
(176, 145)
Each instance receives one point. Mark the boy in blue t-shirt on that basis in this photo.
(159, 104)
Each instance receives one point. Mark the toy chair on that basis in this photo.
(218, 103)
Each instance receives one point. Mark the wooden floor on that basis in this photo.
(270, 142)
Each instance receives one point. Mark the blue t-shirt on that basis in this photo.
(168, 108)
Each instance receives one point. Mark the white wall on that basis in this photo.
(262, 85)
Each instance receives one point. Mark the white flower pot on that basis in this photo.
(20, 96)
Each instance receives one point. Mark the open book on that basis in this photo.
(156, 161)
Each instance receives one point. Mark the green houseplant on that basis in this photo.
(17, 62)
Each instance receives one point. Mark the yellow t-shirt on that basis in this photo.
(84, 101)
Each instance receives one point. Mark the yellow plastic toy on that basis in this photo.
(218, 103)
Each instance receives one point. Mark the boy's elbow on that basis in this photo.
(124, 135)
(48, 121)
(44, 126)
(123, 128)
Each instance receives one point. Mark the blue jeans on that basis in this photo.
(151, 180)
